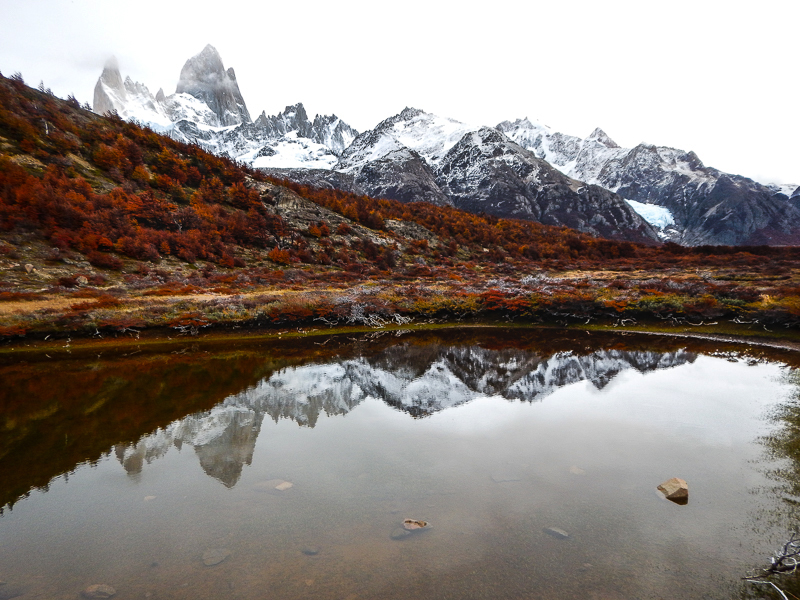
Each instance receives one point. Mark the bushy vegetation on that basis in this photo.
(152, 227)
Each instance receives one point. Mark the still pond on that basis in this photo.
(286, 469)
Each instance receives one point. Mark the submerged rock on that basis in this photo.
(98, 591)
(676, 490)
(556, 532)
(310, 550)
(214, 556)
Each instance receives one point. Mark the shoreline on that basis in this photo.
(162, 339)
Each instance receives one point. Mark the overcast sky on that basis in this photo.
(716, 77)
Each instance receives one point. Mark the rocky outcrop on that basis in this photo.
(321, 178)
(204, 77)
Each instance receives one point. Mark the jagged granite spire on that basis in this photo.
(109, 92)
(204, 77)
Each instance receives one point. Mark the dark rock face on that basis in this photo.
(401, 175)
(488, 172)
(709, 206)
(321, 178)
(204, 77)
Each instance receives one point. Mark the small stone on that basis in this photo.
(556, 532)
(29, 268)
(676, 490)
(99, 590)
(576, 470)
(149, 498)
(81, 280)
(413, 524)
(399, 533)
(310, 550)
(283, 486)
(214, 556)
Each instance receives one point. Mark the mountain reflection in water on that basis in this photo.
(418, 380)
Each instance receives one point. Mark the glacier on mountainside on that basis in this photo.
(659, 217)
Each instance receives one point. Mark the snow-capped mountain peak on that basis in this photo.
(208, 109)
(601, 137)
(428, 135)
(204, 77)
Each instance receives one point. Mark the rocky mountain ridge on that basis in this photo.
(519, 169)
(208, 109)
(706, 206)
(416, 156)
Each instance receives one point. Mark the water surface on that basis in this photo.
(126, 470)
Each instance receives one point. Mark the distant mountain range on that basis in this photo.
(518, 169)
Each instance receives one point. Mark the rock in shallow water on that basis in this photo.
(214, 556)
(675, 489)
(99, 591)
(414, 524)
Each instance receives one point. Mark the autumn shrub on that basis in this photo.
(16, 296)
(279, 256)
(70, 281)
(103, 260)
(344, 229)
(104, 301)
